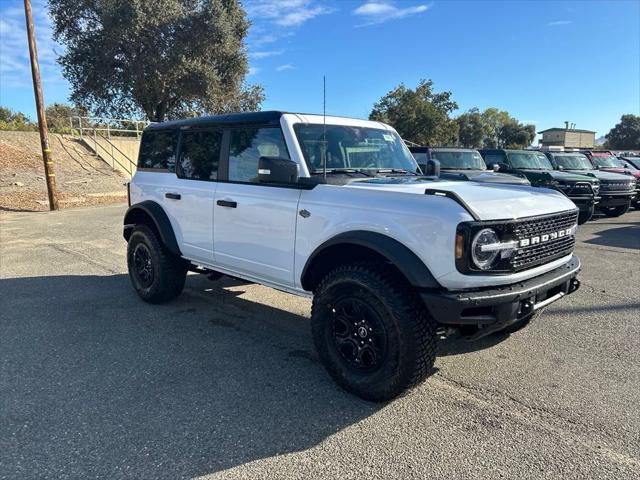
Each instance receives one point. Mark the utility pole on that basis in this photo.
(50, 177)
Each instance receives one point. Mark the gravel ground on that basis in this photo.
(82, 178)
(224, 382)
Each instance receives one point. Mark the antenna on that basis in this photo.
(324, 127)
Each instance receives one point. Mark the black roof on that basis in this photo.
(488, 150)
(450, 149)
(560, 154)
(253, 118)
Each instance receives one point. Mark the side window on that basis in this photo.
(158, 150)
(491, 158)
(248, 145)
(199, 155)
(421, 157)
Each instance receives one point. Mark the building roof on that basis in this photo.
(566, 130)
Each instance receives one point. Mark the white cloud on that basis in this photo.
(15, 68)
(252, 71)
(286, 13)
(286, 66)
(559, 23)
(266, 53)
(380, 11)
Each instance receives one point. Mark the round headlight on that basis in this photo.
(484, 260)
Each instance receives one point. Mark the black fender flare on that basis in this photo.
(409, 264)
(159, 218)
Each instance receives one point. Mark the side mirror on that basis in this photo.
(277, 170)
(495, 167)
(560, 167)
(431, 168)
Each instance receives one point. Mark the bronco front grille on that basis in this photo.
(616, 186)
(545, 250)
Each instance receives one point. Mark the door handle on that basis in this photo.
(227, 203)
(173, 196)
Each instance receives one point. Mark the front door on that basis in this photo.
(254, 224)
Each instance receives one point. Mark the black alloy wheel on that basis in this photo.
(359, 334)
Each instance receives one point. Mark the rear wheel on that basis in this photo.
(156, 274)
(372, 333)
(616, 211)
(585, 215)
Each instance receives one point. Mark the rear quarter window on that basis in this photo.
(158, 150)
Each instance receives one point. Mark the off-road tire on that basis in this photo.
(169, 271)
(616, 211)
(585, 215)
(410, 330)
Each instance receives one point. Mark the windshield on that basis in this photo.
(607, 161)
(573, 162)
(357, 148)
(459, 160)
(532, 160)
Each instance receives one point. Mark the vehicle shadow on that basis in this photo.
(458, 345)
(624, 236)
(94, 382)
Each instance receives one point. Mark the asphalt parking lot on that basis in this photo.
(224, 382)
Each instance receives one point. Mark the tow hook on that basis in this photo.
(574, 285)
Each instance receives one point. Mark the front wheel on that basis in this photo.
(156, 274)
(585, 215)
(616, 211)
(372, 333)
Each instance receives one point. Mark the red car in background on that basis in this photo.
(607, 161)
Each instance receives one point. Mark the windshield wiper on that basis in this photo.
(395, 170)
(343, 170)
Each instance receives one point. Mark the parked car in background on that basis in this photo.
(581, 189)
(617, 191)
(463, 164)
(607, 161)
(633, 161)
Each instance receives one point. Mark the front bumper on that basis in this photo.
(499, 307)
(614, 199)
(584, 202)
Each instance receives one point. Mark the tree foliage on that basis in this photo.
(493, 128)
(419, 115)
(10, 120)
(471, 129)
(58, 115)
(164, 58)
(626, 134)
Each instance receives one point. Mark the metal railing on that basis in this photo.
(98, 134)
(128, 166)
(122, 127)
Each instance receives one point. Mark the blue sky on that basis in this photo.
(543, 61)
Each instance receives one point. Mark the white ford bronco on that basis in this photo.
(337, 209)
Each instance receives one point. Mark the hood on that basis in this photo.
(488, 201)
(599, 174)
(624, 171)
(483, 176)
(562, 176)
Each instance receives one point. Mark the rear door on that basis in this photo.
(254, 224)
(191, 195)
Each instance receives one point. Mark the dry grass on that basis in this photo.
(82, 178)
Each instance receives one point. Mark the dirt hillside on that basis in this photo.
(83, 178)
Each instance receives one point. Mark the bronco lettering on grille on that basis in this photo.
(525, 242)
